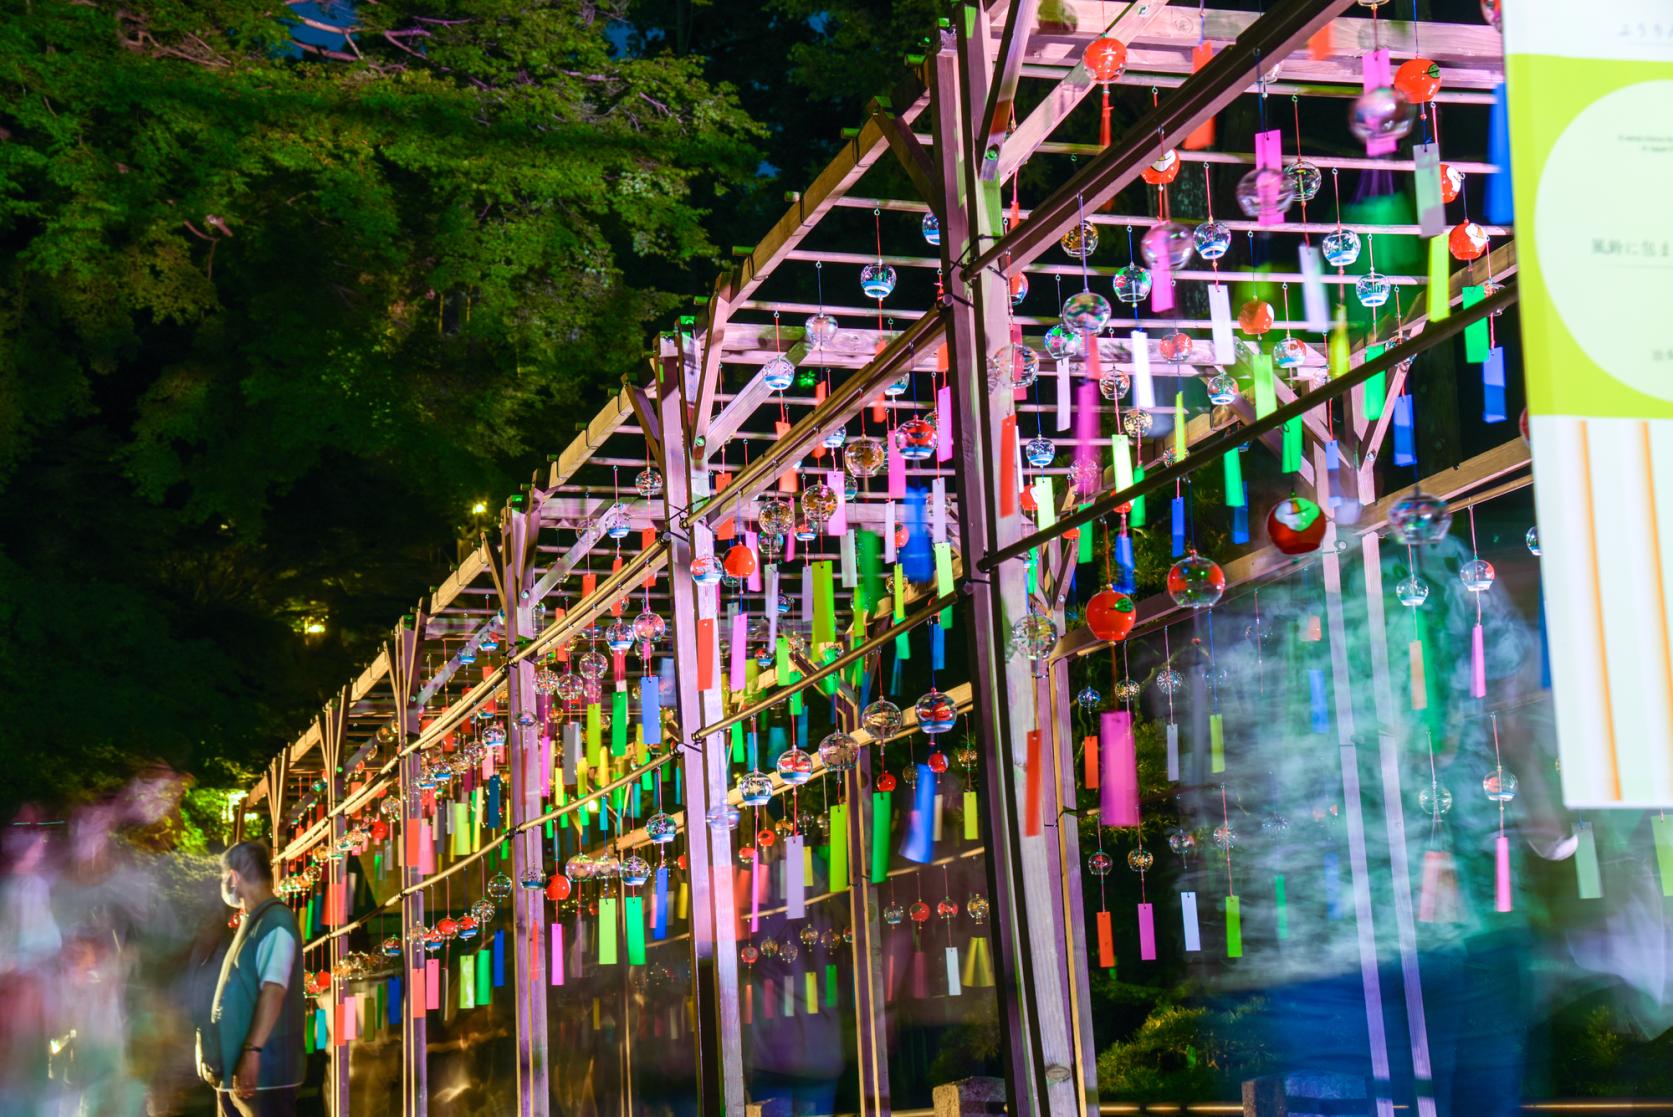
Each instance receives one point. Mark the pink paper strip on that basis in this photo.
(1478, 664)
(897, 471)
(1147, 932)
(944, 425)
(1161, 289)
(545, 761)
(557, 953)
(756, 880)
(432, 984)
(1269, 155)
(426, 848)
(790, 547)
(1501, 875)
(351, 1017)
(837, 526)
(753, 543)
(1118, 783)
(739, 639)
(1376, 73)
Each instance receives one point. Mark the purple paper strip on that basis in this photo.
(837, 526)
(739, 639)
(753, 543)
(944, 424)
(1118, 782)
(1147, 932)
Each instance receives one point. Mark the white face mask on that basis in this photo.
(229, 892)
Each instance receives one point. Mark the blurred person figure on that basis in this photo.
(252, 1052)
(29, 945)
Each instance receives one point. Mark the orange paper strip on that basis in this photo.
(1106, 942)
(1203, 136)
(706, 654)
(1090, 744)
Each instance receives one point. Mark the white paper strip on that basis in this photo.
(1314, 305)
(845, 550)
(1064, 392)
(1188, 907)
(772, 605)
(889, 532)
(938, 510)
(795, 884)
(1144, 387)
(954, 986)
(1220, 317)
(1173, 752)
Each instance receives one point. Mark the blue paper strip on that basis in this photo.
(499, 958)
(393, 1002)
(1318, 710)
(1501, 207)
(919, 843)
(1493, 386)
(659, 925)
(1178, 517)
(650, 710)
(493, 820)
(1405, 448)
(1125, 579)
(937, 647)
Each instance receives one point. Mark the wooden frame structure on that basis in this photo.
(721, 439)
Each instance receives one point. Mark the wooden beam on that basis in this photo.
(1004, 154)
(920, 169)
(1002, 90)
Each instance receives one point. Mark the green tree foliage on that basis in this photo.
(272, 316)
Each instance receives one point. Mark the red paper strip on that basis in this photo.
(706, 653)
(1203, 136)
(787, 479)
(1033, 785)
(1090, 744)
(1106, 942)
(1008, 466)
(647, 540)
(589, 582)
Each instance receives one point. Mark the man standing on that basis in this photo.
(256, 1023)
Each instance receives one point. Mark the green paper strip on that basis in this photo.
(635, 910)
(484, 977)
(971, 822)
(830, 985)
(1233, 462)
(467, 981)
(839, 847)
(1216, 743)
(944, 578)
(1662, 828)
(832, 681)
(900, 592)
(461, 829)
(868, 589)
(1476, 341)
(1292, 445)
(1031, 564)
(308, 1038)
(789, 995)
(476, 819)
(1234, 927)
(595, 737)
(1084, 552)
(796, 704)
(1339, 355)
(607, 929)
(879, 836)
(781, 662)
(1122, 454)
(1376, 387)
(824, 605)
(903, 646)
(810, 982)
(1135, 518)
(1586, 872)
(1282, 906)
(1045, 504)
(618, 723)
(1266, 399)
(1180, 446)
(752, 676)
(1440, 279)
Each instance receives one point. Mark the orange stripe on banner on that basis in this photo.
(647, 540)
(1106, 942)
(1589, 520)
(1655, 549)
(706, 654)
(1032, 786)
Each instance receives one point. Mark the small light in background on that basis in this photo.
(480, 508)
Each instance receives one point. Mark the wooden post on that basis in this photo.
(971, 1097)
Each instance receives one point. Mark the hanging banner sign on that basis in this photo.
(1595, 266)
